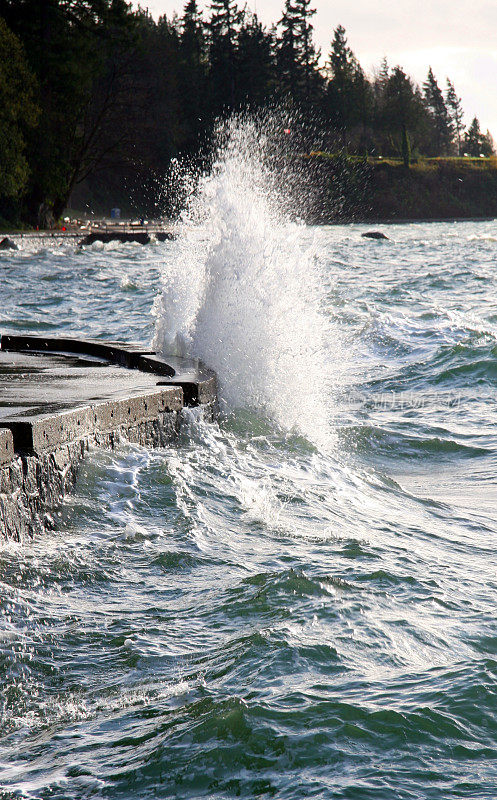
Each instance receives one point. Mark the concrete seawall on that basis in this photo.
(59, 396)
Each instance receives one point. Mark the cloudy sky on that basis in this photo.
(457, 38)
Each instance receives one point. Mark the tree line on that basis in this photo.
(95, 87)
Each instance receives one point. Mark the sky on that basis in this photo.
(456, 38)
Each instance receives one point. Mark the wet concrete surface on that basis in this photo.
(59, 396)
(55, 390)
(40, 383)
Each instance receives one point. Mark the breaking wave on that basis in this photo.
(243, 288)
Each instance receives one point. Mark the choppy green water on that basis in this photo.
(248, 614)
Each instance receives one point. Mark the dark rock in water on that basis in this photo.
(374, 235)
(8, 244)
(141, 238)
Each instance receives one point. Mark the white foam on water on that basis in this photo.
(242, 290)
(484, 237)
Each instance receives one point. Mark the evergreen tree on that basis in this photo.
(192, 36)
(91, 87)
(255, 62)
(161, 120)
(18, 114)
(288, 61)
(442, 123)
(379, 84)
(348, 92)
(297, 57)
(341, 58)
(308, 55)
(489, 144)
(476, 143)
(383, 72)
(193, 70)
(456, 113)
(472, 139)
(223, 29)
(364, 99)
(66, 43)
(402, 112)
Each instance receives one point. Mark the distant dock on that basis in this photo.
(59, 396)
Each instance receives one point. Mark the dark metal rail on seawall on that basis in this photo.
(58, 396)
(100, 232)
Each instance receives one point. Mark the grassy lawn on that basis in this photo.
(422, 163)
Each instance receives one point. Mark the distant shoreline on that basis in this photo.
(419, 221)
(55, 233)
(383, 192)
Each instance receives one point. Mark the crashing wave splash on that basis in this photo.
(242, 289)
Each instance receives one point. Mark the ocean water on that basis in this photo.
(298, 600)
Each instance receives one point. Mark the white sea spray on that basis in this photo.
(242, 290)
